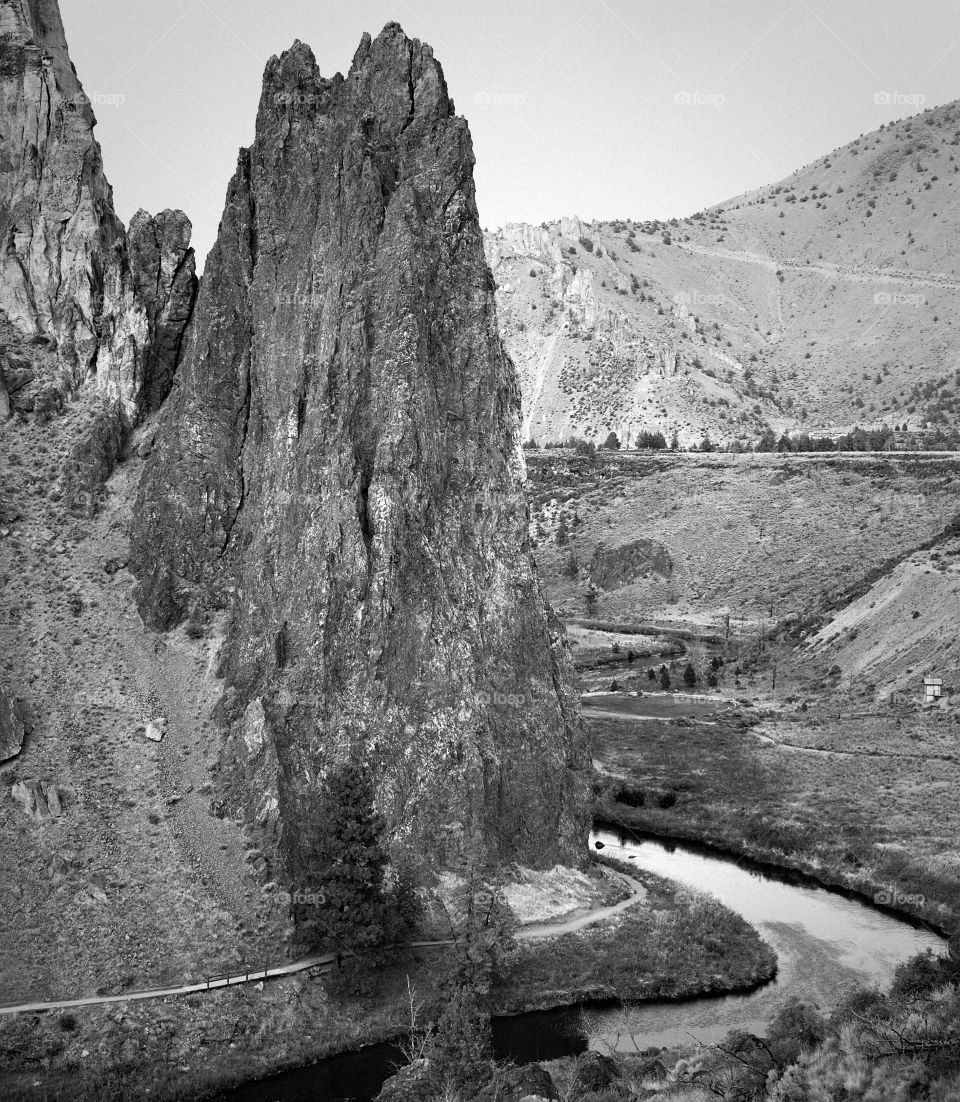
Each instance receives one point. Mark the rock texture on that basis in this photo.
(11, 727)
(148, 301)
(72, 280)
(339, 465)
(42, 800)
(57, 222)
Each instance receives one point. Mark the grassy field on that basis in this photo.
(865, 801)
(667, 948)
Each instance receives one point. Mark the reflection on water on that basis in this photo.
(825, 942)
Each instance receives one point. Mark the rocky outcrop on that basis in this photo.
(57, 224)
(42, 800)
(12, 729)
(630, 562)
(340, 467)
(71, 280)
(148, 301)
(571, 227)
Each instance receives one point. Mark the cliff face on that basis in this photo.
(339, 467)
(70, 279)
(57, 222)
(148, 299)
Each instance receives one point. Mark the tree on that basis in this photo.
(572, 566)
(652, 440)
(337, 894)
(664, 678)
(675, 441)
(612, 442)
(689, 676)
(767, 441)
(460, 1049)
(591, 599)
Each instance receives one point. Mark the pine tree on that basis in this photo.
(338, 896)
(689, 676)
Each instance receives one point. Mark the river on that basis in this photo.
(826, 943)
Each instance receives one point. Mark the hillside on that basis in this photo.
(818, 303)
(692, 539)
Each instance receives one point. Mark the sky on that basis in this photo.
(600, 108)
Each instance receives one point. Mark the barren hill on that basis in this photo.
(821, 302)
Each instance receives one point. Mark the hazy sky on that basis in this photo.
(602, 108)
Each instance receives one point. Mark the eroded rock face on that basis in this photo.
(57, 224)
(12, 729)
(148, 301)
(72, 280)
(340, 466)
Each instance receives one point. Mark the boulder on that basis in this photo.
(412, 1083)
(521, 1084)
(41, 800)
(12, 730)
(595, 1072)
(156, 729)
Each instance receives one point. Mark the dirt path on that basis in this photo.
(859, 274)
(325, 961)
(797, 748)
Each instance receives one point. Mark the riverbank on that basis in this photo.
(878, 820)
(671, 944)
(679, 945)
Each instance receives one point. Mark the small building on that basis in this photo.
(932, 689)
